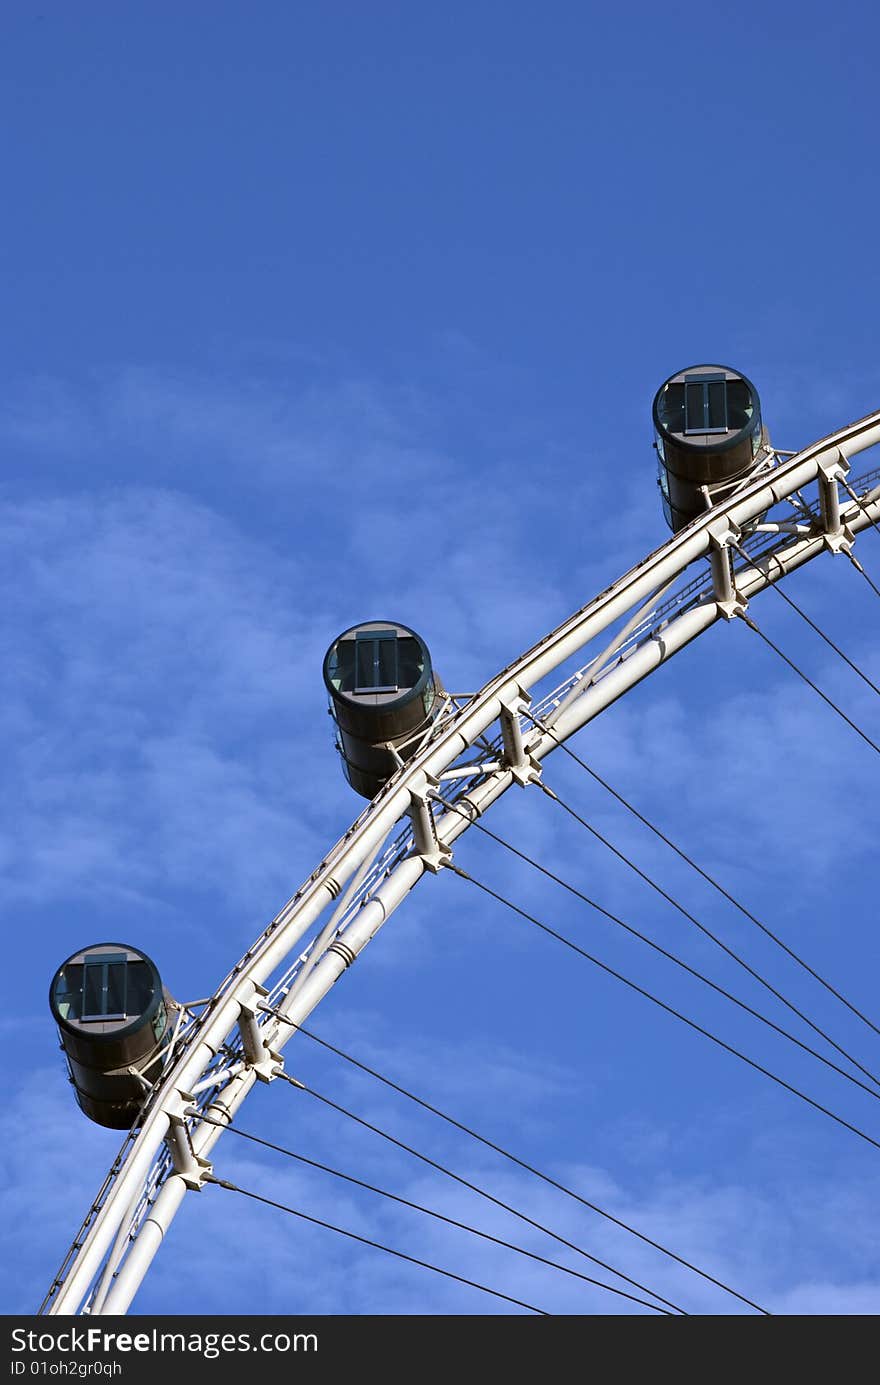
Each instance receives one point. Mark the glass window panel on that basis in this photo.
(93, 989)
(757, 437)
(376, 656)
(346, 664)
(341, 666)
(694, 415)
(114, 995)
(364, 675)
(139, 982)
(671, 408)
(386, 663)
(68, 991)
(409, 662)
(71, 979)
(717, 403)
(739, 404)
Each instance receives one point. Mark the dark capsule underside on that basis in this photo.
(708, 434)
(112, 1015)
(383, 692)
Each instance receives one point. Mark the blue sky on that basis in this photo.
(321, 313)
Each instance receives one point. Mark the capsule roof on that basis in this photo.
(709, 407)
(377, 663)
(107, 988)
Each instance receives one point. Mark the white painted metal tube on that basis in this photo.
(602, 659)
(330, 926)
(114, 1258)
(149, 1239)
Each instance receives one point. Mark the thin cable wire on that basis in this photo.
(799, 671)
(514, 1159)
(812, 624)
(707, 932)
(858, 567)
(376, 1245)
(865, 511)
(699, 869)
(861, 504)
(465, 1183)
(672, 957)
(438, 1216)
(692, 1024)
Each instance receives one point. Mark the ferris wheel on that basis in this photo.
(431, 764)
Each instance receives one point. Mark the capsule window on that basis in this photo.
(410, 663)
(104, 988)
(705, 404)
(376, 661)
(68, 991)
(671, 408)
(740, 404)
(139, 987)
(341, 666)
(757, 436)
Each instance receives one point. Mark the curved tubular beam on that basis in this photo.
(240, 991)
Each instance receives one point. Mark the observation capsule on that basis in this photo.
(113, 1015)
(708, 434)
(383, 694)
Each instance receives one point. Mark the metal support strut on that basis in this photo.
(522, 766)
(187, 1164)
(838, 537)
(427, 845)
(259, 1057)
(721, 535)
